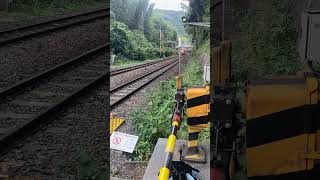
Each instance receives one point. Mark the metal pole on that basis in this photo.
(179, 61)
(196, 37)
(164, 173)
(160, 42)
(223, 19)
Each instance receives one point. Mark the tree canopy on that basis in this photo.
(135, 23)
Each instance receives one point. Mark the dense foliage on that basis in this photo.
(130, 43)
(198, 11)
(136, 31)
(267, 42)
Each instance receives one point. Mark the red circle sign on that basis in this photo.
(116, 140)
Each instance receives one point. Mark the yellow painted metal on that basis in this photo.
(312, 155)
(197, 128)
(201, 110)
(164, 174)
(271, 96)
(195, 156)
(179, 81)
(175, 123)
(171, 143)
(197, 92)
(198, 111)
(267, 98)
(193, 143)
(278, 157)
(115, 123)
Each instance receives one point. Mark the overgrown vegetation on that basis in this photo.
(266, 43)
(153, 121)
(136, 31)
(49, 7)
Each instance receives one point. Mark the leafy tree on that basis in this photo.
(147, 22)
(198, 11)
(129, 43)
(137, 19)
(135, 30)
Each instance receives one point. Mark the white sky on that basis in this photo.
(168, 4)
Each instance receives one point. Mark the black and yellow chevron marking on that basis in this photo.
(198, 105)
(115, 123)
(198, 109)
(282, 129)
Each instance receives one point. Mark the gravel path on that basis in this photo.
(120, 161)
(30, 57)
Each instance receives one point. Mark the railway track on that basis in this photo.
(28, 31)
(30, 103)
(124, 91)
(123, 70)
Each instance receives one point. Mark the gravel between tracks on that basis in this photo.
(55, 149)
(119, 79)
(29, 57)
(119, 160)
(13, 20)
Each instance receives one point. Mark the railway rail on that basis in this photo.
(21, 33)
(130, 68)
(122, 92)
(27, 105)
(30, 103)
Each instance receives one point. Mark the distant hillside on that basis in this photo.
(174, 17)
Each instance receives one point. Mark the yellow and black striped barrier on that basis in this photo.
(283, 132)
(198, 109)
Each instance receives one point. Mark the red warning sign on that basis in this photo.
(116, 140)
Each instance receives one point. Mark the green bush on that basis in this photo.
(129, 43)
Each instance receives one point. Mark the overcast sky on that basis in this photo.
(168, 4)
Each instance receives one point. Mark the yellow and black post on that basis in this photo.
(165, 171)
(176, 120)
(198, 109)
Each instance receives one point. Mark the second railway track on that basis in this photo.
(21, 33)
(121, 92)
(28, 104)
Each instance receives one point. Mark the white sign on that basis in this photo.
(206, 73)
(123, 142)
